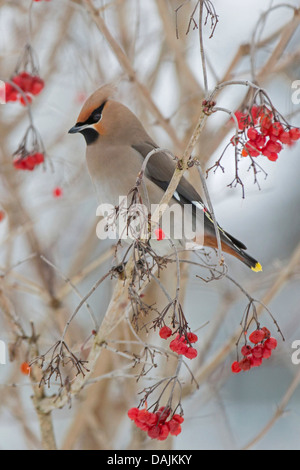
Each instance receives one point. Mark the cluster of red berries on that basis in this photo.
(29, 162)
(265, 135)
(181, 344)
(253, 356)
(31, 85)
(156, 424)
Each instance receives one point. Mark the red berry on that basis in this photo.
(295, 134)
(267, 332)
(39, 158)
(141, 420)
(260, 141)
(178, 418)
(26, 81)
(265, 124)
(246, 350)
(152, 419)
(174, 427)
(252, 133)
(179, 345)
(2, 215)
(275, 147)
(250, 149)
(8, 89)
(57, 192)
(19, 164)
(17, 80)
(154, 432)
(37, 85)
(285, 138)
(273, 157)
(243, 120)
(143, 416)
(245, 364)
(257, 352)
(267, 353)
(11, 93)
(141, 425)
(192, 337)
(182, 348)
(25, 368)
(255, 111)
(165, 332)
(276, 129)
(132, 413)
(29, 162)
(256, 361)
(257, 336)
(271, 343)
(163, 432)
(174, 344)
(236, 368)
(191, 353)
(159, 233)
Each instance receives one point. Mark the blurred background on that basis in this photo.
(51, 211)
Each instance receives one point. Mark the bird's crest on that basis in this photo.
(95, 100)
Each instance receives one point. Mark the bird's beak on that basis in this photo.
(78, 128)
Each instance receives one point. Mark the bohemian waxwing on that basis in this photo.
(117, 145)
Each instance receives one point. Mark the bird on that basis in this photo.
(117, 144)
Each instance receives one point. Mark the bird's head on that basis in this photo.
(91, 120)
(101, 116)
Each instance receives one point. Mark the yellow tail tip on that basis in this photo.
(257, 268)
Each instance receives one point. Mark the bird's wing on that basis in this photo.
(160, 169)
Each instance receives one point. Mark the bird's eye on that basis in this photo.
(97, 117)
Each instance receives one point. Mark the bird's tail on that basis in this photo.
(249, 260)
(237, 249)
(233, 247)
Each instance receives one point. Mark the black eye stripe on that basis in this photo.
(95, 116)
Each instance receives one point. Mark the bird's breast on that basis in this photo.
(113, 170)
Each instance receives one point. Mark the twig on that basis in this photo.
(202, 51)
(211, 210)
